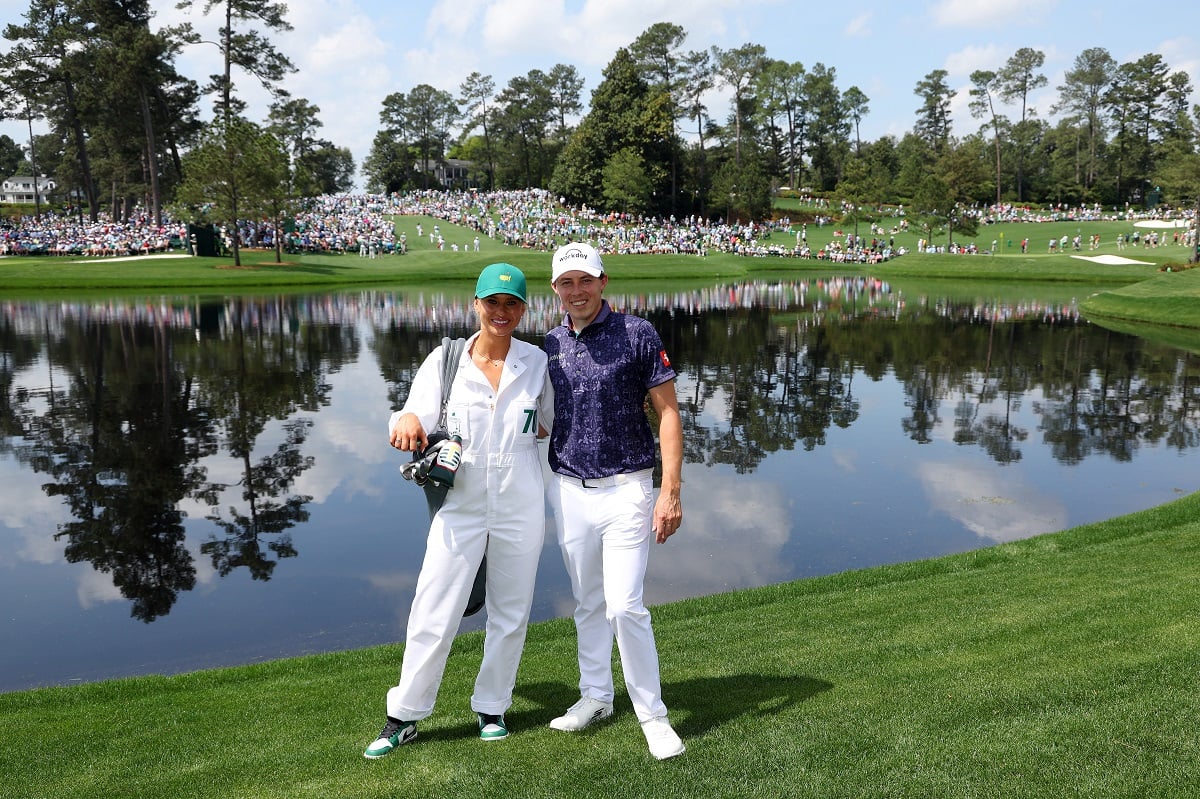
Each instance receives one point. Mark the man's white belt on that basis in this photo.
(607, 482)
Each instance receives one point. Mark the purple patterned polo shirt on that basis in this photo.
(601, 377)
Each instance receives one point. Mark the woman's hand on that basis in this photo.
(408, 435)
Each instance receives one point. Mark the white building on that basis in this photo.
(19, 189)
(448, 172)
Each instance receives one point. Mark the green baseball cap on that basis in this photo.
(501, 279)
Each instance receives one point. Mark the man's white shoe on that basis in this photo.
(663, 741)
(581, 714)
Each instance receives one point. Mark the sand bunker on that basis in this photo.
(109, 259)
(1115, 260)
(1162, 223)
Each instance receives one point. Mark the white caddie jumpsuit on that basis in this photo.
(496, 505)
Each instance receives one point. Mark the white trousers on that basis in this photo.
(605, 537)
(458, 537)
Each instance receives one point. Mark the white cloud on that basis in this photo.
(717, 510)
(1182, 54)
(992, 506)
(846, 460)
(31, 515)
(398, 587)
(977, 56)
(513, 26)
(998, 14)
(96, 588)
(860, 25)
(351, 44)
(352, 452)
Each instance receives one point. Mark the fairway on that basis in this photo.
(426, 264)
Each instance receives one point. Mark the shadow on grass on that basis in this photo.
(710, 702)
(292, 267)
(550, 699)
(697, 705)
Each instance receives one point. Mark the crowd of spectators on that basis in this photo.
(67, 236)
(531, 219)
(338, 224)
(1004, 213)
(363, 224)
(535, 219)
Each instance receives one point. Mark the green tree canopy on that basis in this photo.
(237, 171)
(11, 156)
(627, 114)
(627, 187)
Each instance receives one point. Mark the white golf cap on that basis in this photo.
(576, 257)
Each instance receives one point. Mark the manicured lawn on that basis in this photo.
(424, 264)
(1062, 665)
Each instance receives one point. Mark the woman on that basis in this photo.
(500, 403)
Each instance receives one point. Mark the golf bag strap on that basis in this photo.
(451, 353)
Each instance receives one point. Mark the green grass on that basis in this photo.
(1163, 299)
(425, 264)
(1062, 665)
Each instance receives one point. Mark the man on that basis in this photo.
(603, 365)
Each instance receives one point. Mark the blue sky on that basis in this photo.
(353, 53)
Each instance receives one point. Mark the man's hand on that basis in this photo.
(668, 510)
(668, 515)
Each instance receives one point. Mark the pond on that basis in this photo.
(192, 482)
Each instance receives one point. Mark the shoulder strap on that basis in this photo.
(451, 352)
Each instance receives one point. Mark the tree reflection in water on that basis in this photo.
(134, 406)
(126, 406)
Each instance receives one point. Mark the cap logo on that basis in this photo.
(505, 277)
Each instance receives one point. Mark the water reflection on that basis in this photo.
(173, 445)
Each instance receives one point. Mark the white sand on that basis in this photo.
(109, 259)
(1116, 260)
(1162, 223)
